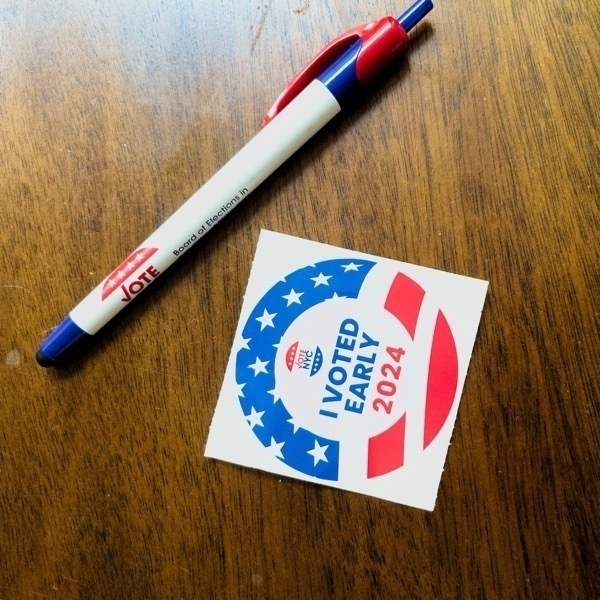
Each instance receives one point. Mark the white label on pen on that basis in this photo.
(272, 146)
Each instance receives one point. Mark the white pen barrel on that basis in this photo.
(260, 157)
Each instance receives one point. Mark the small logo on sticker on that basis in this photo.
(304, 359)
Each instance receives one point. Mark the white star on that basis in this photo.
(351, 267)
(131, 265)
(293, 297)
(254, 418)
(112, 283)
(259, 366)
(122, 274)
(275, 448)
(266, 320)
(243, 345)
(275, 395)
(336, 296)
(318, 453)
(239, 393)
(321, 279)
(292, 421)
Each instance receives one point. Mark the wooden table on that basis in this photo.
(476, 154)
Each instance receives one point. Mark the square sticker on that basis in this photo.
(347, 369)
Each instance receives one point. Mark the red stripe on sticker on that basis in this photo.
(386, 450)
(442, 380)
(404, 302)
(125, 270)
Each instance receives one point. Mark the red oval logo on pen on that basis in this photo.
(127, 268)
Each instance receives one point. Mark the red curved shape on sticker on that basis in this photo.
(290, 356)
(125, 270)
(386, 450)
(404, 301)
(441, 381)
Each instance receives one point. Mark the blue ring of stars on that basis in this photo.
(265, 412)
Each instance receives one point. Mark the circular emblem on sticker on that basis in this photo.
(337, 361)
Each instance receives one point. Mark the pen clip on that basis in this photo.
(382, 40)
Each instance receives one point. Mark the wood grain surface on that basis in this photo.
(478, 153)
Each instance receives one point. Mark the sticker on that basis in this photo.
(347, 370)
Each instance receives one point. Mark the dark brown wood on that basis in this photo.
(478, 154)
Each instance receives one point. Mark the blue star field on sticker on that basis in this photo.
(265, 412)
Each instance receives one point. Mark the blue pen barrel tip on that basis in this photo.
(43, 360)
(60, 343)
(413, 14)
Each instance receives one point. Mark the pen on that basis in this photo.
(317, 94)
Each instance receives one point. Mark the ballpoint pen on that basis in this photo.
(317, 94)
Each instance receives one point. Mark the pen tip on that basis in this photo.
(43, 360)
